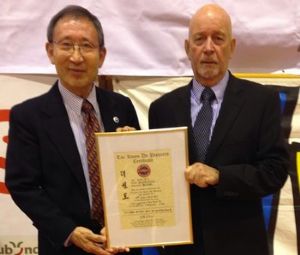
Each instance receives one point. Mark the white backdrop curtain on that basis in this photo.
(146, 38)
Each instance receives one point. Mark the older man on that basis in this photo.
(237, 153)
(52, 169)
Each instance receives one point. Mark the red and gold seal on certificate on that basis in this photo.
(143, 170)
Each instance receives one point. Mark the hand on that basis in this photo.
(113, 250)
(125, 128)
(202, 175)
(93, 243)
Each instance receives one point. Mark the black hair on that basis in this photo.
(76, 12)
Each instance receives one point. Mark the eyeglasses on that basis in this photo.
(69, 47)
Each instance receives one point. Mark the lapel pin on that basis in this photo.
(116, 119)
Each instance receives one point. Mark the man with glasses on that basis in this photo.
(48, 155)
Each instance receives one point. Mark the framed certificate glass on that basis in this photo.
(145, 195)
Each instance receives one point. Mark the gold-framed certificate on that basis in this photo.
(145, 195)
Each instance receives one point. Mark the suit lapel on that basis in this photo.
(106, 106)
(232, 103)
(57, 125)
(183, 117)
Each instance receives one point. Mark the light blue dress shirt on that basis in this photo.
(196, 105)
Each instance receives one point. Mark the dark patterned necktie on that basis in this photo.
(203, 123)
(91, 126)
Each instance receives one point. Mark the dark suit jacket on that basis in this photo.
(44, 173)
(248, 150)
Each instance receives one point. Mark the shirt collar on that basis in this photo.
(74, 102)
(218, 89)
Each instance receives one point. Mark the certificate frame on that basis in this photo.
(146, 198)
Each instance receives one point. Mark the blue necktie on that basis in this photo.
(203, 123)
